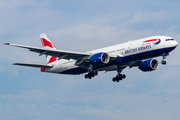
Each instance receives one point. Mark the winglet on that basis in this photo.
(6, 43)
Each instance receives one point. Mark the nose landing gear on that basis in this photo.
(163, 62)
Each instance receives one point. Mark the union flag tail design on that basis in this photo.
(46, 43)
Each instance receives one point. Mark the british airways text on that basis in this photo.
(137, 49)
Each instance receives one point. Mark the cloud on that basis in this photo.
(9, 4)
(44, 104)
(169, 73)
(148, 16)
(86, 36)
(88, 31)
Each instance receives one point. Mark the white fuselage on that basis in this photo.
(156, 44)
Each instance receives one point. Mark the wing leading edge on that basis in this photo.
(61, 54)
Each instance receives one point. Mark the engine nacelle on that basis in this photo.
(99, 59)
(148, 65)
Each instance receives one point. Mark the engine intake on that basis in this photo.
(148, 65)
(99, 59)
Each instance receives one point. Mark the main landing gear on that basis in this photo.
(119, 77)
(91, 74)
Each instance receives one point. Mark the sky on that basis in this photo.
(26, 93)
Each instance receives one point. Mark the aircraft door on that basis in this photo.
(165, 43)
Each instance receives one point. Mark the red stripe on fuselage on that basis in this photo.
(152, 40)
(47, 43)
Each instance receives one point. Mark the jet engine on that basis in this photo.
(99, 59)
(148, 65)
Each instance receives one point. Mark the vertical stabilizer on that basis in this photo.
(46, 43)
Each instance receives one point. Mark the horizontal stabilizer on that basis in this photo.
(6, 43)
(33, 65)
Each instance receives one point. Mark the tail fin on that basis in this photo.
(46, 43)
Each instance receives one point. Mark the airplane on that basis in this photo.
(138, 53)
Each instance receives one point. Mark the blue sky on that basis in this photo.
(26, 93)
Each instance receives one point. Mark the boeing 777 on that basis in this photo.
(138, 53)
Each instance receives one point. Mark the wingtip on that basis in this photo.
(6, 43)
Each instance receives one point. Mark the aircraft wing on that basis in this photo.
(57, 53)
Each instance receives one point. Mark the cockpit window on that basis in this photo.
(169, 39)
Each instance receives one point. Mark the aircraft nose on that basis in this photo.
(175, 43)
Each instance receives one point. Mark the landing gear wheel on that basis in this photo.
(95, 73)
(119, 77)
(86, 76)
(114, 79)
(123, 76)
(91, 74)
(163, 62)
